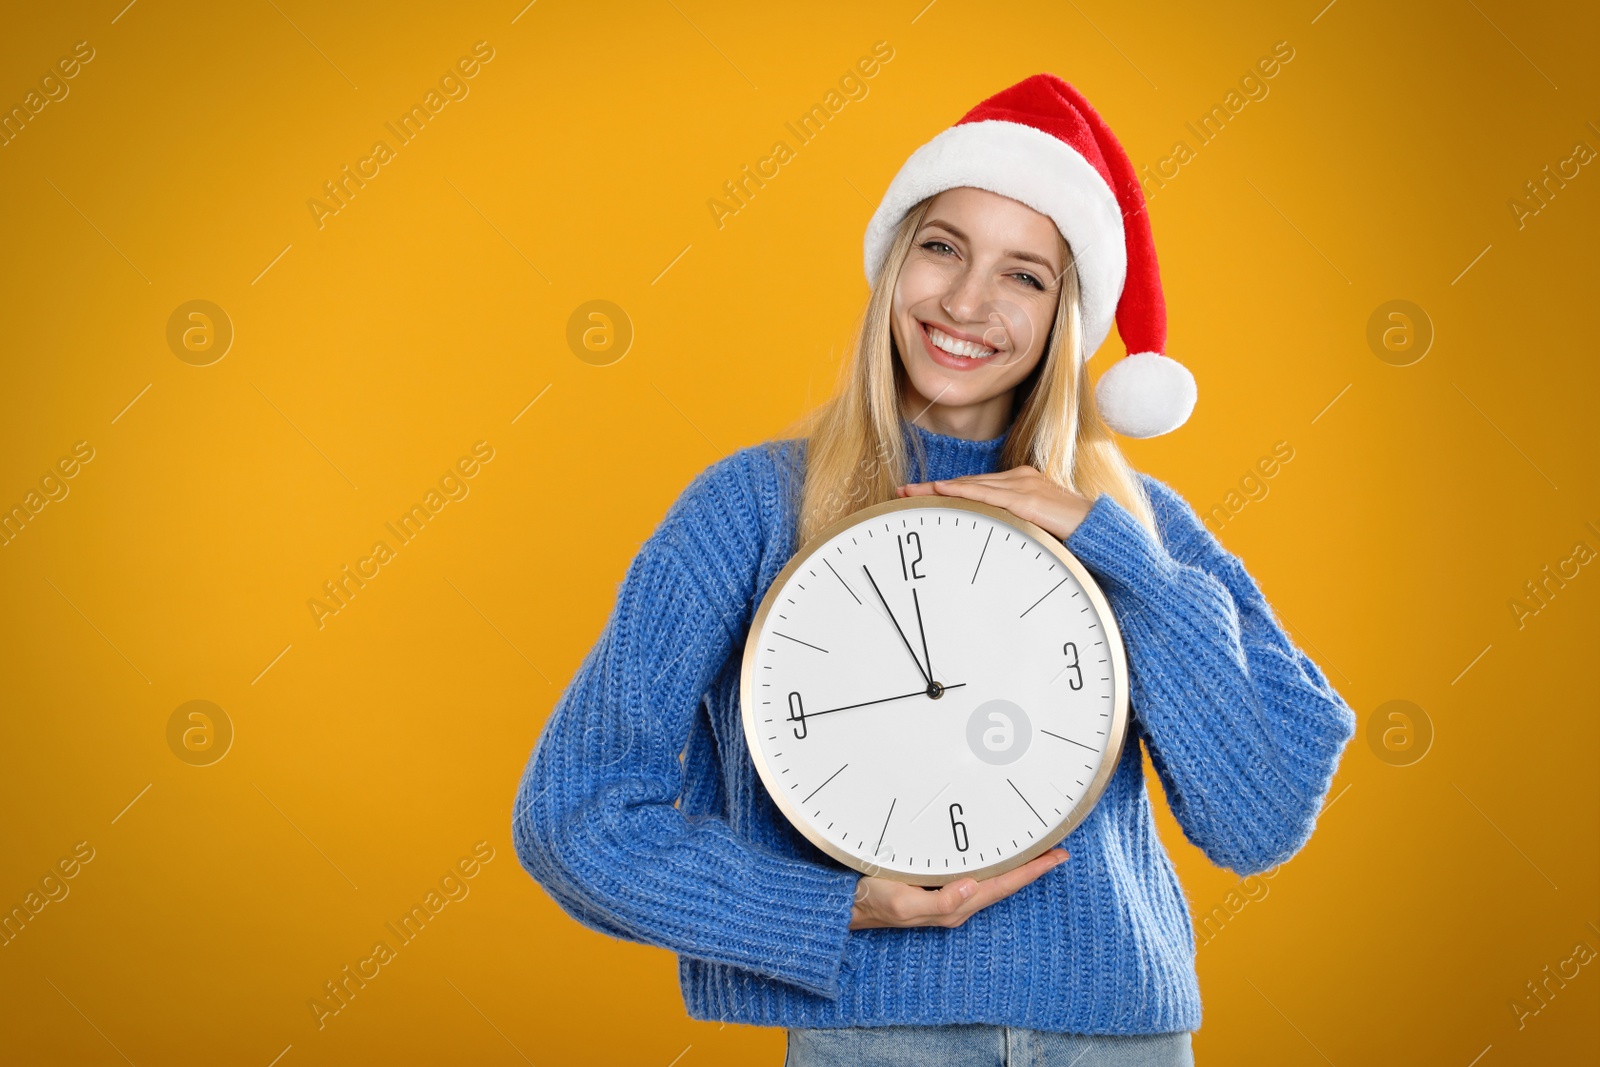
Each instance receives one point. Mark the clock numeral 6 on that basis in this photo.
(911, 572)
(958, 828)
(1071, 650)
(797, 713)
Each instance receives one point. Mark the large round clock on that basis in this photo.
(932, 688)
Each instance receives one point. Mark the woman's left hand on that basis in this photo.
(1023, 491)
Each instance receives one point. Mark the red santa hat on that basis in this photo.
(1039, 142)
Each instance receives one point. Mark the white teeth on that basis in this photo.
(965, 349)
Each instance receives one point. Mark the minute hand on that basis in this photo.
(920, 670)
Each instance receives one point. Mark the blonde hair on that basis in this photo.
(855, 451)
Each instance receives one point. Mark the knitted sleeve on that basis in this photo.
(1243, 729)
(595, 820)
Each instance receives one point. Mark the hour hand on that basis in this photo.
(909, 651)
(923, 633)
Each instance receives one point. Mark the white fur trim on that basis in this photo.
(1145, 395)
(1032, 167)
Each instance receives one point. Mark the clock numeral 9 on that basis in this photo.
(1071, 650)
(797, 713)
(911, 572)
(958, 828)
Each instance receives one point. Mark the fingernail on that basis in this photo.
(965, 891)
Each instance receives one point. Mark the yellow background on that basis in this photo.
(371, 353)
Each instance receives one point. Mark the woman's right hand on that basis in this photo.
(880, 902)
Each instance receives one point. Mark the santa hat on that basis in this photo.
(1039, 142)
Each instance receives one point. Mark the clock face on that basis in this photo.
(933, 690)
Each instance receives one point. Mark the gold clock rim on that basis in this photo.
(1116, 735)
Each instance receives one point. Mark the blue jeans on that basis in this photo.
(977, 1045)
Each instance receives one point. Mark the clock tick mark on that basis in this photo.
(981, 555)
(886, 819)
(1031, 808)
(931, 799)
(1036, 603)
(844, 583)
(830, 778)
(1068, 740)
(796, 640)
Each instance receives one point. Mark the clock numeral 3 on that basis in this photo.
(958, 828)
(797, 714)
(910, 572)
(1071, 650)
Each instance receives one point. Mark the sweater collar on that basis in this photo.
(949, 456)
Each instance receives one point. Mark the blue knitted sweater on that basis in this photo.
(641, 813)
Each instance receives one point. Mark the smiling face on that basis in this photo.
(973, 308)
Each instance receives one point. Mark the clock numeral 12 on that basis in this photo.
(958, 828)
(1071, 650)
(797, 713)
(911, 572)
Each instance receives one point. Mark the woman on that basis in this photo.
(998, 257)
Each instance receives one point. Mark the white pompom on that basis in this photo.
(1146, 395)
